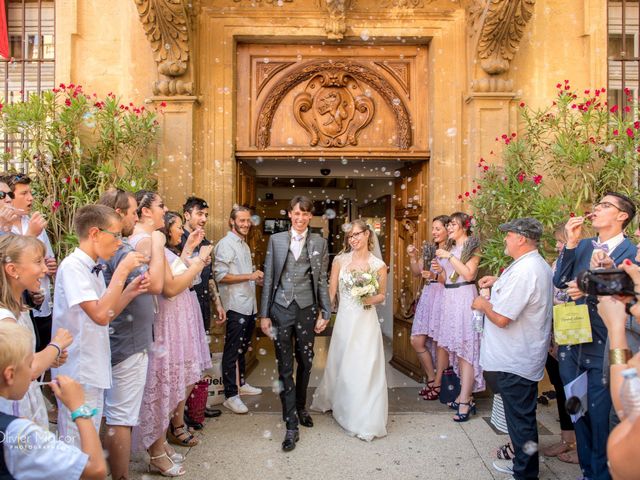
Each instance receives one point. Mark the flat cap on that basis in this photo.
(527, 227)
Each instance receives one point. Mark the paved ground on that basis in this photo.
(422, 443)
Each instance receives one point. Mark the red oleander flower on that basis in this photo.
(636, 124)
(627, 109)
(572, 214)
(466, 194)
(460, 197)
(615, 133)
(67, 102)
(485, 168)
(558, 85)
(163, 104)
(586, 92)
(614, 109)
(629, 133)
(56, 205)
(522, 104)
(62, 86)
(67, 180)
(537, 179)
(521, 177)
(76, 180)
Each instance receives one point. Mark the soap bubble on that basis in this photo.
(364, 35)
(266, 434)
(255, 220)
(330, 213)
(452, 132)
(262, 351)
(396, 101)
(397, 173)
(530, 448)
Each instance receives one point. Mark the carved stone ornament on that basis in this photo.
(499, 26)
(274, 2)
(165, 24)
(347, 109)
(336, 24)
(333, 109)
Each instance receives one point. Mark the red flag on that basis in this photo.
(4, 31)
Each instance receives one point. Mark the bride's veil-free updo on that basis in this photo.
(373, 244)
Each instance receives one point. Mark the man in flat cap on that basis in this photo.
(517, 331)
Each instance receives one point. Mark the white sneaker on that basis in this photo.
(504, 466)
(247, 389)
(235, 405)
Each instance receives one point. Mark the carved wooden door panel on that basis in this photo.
(410, 227)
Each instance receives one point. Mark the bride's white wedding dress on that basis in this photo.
(354, 384)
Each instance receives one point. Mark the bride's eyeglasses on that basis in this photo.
(355, 235)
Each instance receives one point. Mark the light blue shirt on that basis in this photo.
(33, 453)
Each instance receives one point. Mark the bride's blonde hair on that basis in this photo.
(347, 231)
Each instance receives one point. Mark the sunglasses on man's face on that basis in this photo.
(3, 195)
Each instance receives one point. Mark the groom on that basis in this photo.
(295, 306)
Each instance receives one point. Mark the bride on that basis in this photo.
(354, 385)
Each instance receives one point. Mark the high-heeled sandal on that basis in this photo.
(424, 390)
(454, 405)
(175, 470)
(463, 417)
(175, 456)
(432, 392)
(181, 436)
(505, 452)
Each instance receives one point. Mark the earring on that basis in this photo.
(17, 277)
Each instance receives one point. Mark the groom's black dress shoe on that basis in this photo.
(290, 439)
(305, 419)
(212, 412)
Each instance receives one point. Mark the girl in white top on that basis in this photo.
(23, 266)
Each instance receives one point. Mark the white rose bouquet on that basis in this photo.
(362, 284)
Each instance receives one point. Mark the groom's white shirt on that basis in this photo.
(297, 242)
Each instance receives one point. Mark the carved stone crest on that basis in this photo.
(331, 100)
(333, 109)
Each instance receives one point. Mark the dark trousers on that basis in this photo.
(553, 370)
(592, 429)
(294, 335)
(236, 342)
(42, 327)
(519, 397)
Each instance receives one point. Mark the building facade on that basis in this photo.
(376, 108)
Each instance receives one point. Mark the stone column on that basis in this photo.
(175, 148)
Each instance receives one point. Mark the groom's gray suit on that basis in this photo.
(292, 294)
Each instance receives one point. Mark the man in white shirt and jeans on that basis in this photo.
(516, 339)
(237, 279)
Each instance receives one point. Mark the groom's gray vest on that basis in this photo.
(296, 282)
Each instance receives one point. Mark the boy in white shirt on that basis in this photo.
(28, 451)
(85, 306)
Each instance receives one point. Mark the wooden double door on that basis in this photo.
(348, 103)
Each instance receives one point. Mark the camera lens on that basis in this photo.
(573, 405)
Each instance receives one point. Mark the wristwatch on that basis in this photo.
(84, 411)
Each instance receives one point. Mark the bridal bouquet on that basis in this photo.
(362, 284)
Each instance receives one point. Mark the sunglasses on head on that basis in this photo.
(3, 195)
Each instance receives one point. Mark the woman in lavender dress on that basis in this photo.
(457, 334)
(178, 355)
(426, 320)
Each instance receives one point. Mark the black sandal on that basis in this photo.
(181, 436)
(505, 452)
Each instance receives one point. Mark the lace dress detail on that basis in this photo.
(354, 385)
(456, 333)
(177, 358)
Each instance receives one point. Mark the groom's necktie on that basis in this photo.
(296, 245)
